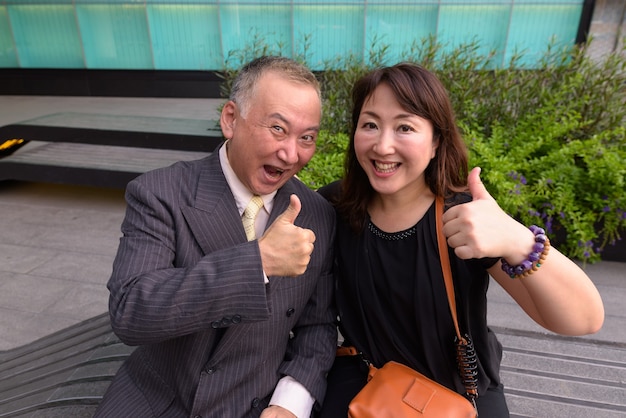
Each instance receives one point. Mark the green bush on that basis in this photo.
(327, 162)
(550, 140)
(541, 174)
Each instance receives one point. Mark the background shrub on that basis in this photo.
(550, 140)
(326, 165)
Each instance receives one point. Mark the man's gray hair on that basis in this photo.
(243, 88)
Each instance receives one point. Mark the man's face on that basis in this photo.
(276, 137)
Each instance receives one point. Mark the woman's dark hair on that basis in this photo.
(421, 93)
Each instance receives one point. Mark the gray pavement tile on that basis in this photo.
(39, 326)
(80, 302)
(12, 329)
(79, 241)
(613, 330)
(607, 273)
(21, 259)
(33, 294)
(613, 296)
(38, 217)
(78, 267)
(21, 235)
(19, 327)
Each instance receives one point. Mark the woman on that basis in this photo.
(405, 149)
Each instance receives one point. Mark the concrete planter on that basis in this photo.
(616, 252)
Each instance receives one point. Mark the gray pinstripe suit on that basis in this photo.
(188, 288)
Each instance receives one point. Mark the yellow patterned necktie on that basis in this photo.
(249, 215)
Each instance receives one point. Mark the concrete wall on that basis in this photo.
(608, 27)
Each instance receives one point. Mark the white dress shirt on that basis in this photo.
(289, 393)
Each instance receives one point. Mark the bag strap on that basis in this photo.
(466, 367)
(444, 258)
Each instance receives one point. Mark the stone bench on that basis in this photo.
(65, 375)
(62, 375)
(102, 150)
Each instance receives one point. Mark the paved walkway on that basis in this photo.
(57, 244)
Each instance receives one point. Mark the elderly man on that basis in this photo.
(229, 325)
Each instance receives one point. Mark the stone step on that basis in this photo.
(66, 374)
(546, 376)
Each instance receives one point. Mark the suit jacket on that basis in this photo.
(187, 288)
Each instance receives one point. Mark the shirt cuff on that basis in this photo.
(291, 395)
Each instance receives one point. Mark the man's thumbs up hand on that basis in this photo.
(293, 210)
(286, 248)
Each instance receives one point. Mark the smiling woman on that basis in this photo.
(405, 153)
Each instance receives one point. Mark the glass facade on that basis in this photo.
(203, 34)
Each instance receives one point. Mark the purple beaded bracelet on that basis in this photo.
(535, 258)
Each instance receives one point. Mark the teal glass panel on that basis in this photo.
(46, 35)
(186, 2)
(8, 54)
(399, 28)
(333, 3)
(473, 3)
(550, 2)
(509, 2)
(534, 28)
(485, 26)
(333, 31)
(115, 35)
(185, 36)
(204, 34)
(248, 30)
(257, 2)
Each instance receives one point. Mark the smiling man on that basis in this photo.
(229, 325)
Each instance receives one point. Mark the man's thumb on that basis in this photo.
(476, 186)
(291, 213)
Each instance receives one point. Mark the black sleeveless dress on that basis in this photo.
(393, 306)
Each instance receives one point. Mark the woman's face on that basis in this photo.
(393, 146)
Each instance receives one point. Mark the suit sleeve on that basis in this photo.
(156, 294)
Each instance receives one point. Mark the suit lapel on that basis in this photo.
(214, 219)
(215, 213)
